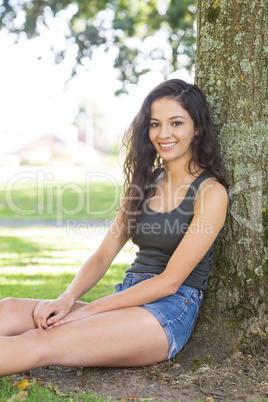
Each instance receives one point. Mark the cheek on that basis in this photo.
(190, 133)
(152, 136)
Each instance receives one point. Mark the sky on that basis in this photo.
(35, 100)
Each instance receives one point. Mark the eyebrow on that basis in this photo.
(175, 117)
(171, 118)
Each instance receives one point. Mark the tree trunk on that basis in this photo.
(231, 71)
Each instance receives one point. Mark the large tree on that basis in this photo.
(231, 70)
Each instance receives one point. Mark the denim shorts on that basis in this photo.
(177, 313)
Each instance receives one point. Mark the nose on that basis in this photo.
(165, 131)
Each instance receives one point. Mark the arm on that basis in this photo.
(97, 265)
(210, 209)
(90, 273)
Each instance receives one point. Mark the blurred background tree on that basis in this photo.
(133, 30)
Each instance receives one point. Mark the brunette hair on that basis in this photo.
(142, 164)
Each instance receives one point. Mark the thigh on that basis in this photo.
(119, 338)
(16, 315)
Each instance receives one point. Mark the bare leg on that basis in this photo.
(120, 338)
(16, 315)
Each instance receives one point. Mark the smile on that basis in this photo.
(167, 145)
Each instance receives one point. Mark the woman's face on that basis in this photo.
(171, 130)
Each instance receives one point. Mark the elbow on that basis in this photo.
(170, 284)
(171, 288)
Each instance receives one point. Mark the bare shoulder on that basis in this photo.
(212, 194)
(212, 188)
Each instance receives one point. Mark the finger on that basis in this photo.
(57, 324)
(36, 317)
(50, 327)
(44, 315)
(65, 320)
(49, 321)
(38, 313)
(40, 319)
(55, 317)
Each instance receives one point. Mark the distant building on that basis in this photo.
(43, 150)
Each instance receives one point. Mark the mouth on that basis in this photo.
(167, 145)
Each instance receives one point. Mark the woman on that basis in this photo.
(174, 208)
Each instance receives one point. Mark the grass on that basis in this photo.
(40, 263)
(40, 393)
(45, 261)
(58, 201)
(50, 286)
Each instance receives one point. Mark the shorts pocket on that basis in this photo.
(118, 287)
(182, 298)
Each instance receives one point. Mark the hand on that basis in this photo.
(47, 312)
(75, 315)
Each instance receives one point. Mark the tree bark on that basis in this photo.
(231, 70)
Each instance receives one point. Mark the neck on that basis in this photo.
(178, 173)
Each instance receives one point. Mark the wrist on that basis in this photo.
(94, 307)
(103, 305)
(67, 298)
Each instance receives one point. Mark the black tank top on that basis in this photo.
(159, 233)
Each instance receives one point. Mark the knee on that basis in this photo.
(34, 338)
(8, 305)
(35, 341)
(34, 335)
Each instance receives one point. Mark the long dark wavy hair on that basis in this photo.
(142, 164)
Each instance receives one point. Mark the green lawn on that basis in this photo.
(40, 393)
(41, 262)
(58, 201)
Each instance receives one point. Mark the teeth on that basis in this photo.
(167, 145)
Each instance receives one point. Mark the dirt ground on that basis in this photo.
(241, 377)
(211, 367)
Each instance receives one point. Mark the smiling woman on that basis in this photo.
(174, 188)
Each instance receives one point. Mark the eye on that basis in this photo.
(176, 123)
(154, 124)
